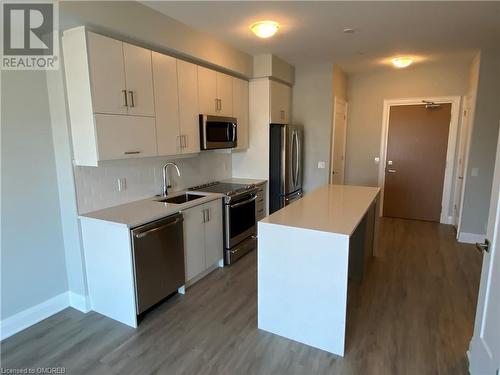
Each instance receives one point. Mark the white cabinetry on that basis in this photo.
(240, 111)
(280, 102)
(139, 80)
(110, 94)
(215, 92)
(202, 237)
(187, 74)
(167, 104)
(122, 137)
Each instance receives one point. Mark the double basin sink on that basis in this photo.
(179, 199)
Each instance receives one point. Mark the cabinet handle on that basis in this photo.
(220, 104)
(204, 215)
(132, 102)
(184, 137)
(208, 214)
(124, 92)
(131, 152)
(216, 104)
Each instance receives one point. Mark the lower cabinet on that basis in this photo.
(260, 205)
(202, 237)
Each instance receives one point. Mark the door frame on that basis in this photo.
(455, 102)
(332, 144)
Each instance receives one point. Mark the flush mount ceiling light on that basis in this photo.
(402, 61)
(265, 29)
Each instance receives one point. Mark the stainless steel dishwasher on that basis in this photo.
(158, 251)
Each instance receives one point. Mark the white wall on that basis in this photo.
(312, 108)
(367, 92)
(97, 187)
(32, 249)
(483, 145)
(136, 23)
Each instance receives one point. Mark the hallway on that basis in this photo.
(412, 315)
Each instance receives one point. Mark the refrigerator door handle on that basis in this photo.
(297, 153)
(294, 168)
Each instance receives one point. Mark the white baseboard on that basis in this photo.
(470, 237)
(79, 302)
(33, 315)
(446, 219)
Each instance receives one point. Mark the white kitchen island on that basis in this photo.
(307, 252)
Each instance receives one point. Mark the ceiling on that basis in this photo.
(312, 31)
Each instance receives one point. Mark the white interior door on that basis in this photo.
(484, 349)
(339, 132)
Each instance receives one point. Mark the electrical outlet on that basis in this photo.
(321, 165)
(474, 172)
(121, 183)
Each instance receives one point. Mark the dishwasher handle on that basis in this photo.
(144, 234)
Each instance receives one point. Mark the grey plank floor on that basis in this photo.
(413, 314)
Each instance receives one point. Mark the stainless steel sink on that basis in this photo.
(179, 199)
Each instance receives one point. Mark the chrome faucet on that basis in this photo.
(166, 180)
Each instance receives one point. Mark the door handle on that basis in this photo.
(132, 102)
(174, 222)
(125, 104)
(391, 171)
(483, 247)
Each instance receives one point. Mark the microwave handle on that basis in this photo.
(234, 132)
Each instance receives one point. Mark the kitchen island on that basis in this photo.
(307, 253)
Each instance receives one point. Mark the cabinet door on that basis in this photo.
(194, 241)
(107, 74)
(280, 102)
(139, 80)
(225, 94)
(240, 111)
(166, 104)
(188, 106)
(213, 232)
(122, 137)
(207, 91)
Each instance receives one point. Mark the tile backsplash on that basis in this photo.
(97, 188)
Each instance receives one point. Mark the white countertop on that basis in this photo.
(331, 208)
(144, 211)
(245, 181)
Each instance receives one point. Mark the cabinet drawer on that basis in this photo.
(122, 137)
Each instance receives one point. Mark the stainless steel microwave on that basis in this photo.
(218, 132)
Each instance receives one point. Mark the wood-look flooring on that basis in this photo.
(413, 314)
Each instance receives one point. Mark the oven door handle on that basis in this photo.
(244, 202)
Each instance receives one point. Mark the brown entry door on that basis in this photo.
(416, 161)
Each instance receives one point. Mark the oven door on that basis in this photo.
(240, 220)
(217, 132)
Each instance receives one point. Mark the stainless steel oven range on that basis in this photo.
(240, 226)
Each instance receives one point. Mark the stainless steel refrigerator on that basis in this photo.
(285, 165)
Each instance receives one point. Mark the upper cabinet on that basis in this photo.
(121, 77)
(126, 101)
(240, 111)
(215, 92)
(187, 74)
(280, 102)
(139, 80)
(166, 104)
(110, 98)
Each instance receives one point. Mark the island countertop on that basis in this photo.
(331, 208)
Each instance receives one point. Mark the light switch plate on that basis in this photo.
(321, 164)
(474, 172)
